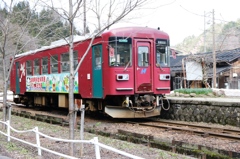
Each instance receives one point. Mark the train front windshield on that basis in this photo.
(120, 52)
(162, 53)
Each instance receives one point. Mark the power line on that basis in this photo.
(201, 15)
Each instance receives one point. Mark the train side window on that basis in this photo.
(45, 65)
(36, 67)
(29, 68)
(65, 62)
(143, 56)
(54, 64)
(75, 56)
(97, 65)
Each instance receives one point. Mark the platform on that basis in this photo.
(207, 99)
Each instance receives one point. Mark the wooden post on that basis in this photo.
(184, 73)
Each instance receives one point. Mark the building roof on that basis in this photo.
(176, 64)
(218, 70)
(228, 55)
(222, 56)
(225, 56)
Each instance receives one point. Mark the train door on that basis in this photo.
(97, 71)
(143, 69)
(17, 91)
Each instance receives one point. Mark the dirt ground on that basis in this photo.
(17, 150)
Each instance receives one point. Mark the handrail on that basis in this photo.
(93, 141)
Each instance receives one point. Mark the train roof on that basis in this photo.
(124, 31)
(54, 44)
(136, 31)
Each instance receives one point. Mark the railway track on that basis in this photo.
(60, 117)
(204, 131)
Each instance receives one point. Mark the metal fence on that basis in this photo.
(38, 135)
(178, 83)
(234, 83)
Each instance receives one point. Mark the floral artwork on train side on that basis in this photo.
(50, 83)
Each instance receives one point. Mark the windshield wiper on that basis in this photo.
(159, 65)
(127, 65)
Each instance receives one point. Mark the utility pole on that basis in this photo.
(204, 32)
(214, 53)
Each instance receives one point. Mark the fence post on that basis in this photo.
(82, 128)
(97, 150)
(9, 106)
(8, 130)
(38, 142)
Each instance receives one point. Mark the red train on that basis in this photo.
(124, 74)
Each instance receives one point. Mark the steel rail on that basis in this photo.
(204, 131)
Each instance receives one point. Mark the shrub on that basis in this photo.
(204, 91)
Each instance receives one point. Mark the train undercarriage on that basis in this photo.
(138, 106)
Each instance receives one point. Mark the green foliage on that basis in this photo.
(21, 13)
(56, 28)
(98, 124)
(47, 25)
(225, 33)
(204, 91)
(13, 147)
(3, 13)
(230, 25)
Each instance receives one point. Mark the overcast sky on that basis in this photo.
(179, 18)
(182, 18)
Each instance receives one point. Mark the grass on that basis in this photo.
(62, 132)
(197, 91)
(98, 124)
(12, 147)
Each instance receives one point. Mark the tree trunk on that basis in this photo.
(4, 91)
(71, 81)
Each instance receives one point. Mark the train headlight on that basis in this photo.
(164, 76)
(122, 77)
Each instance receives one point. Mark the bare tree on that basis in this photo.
(14, 39)
(17, 36)
(15, 20)
(107, 13)
(127, 7)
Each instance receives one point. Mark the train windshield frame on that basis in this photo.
(120, 51)
(162, 53)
